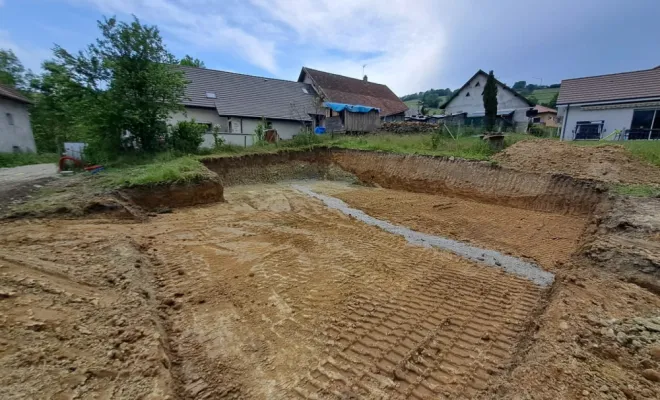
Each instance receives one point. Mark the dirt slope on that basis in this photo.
(607, 163)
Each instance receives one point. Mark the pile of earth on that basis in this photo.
(607, 163)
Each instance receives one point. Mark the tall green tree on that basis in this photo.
(490, 102)
(133, 87)
(520, 85)
(192, 62)
(553, 102)
(62, 109)
(12, 72)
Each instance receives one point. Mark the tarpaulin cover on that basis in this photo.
(356, 108)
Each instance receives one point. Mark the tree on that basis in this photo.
(192, 62)
(520, 85)
(553, 103)
(62, 108)
(133, 88)
(12, 72)
(532, 99)
(490, 102)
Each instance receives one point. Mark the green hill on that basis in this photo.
(544, 96)
(412, 104)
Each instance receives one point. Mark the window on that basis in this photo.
(10, 119)
(536, 120)
(645, 125)
(478, 84)
(210, 95)
(468, 94)
(588, 130)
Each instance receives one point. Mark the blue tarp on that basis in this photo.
(356, 108)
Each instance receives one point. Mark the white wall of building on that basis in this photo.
(474, 102)
(15, 130)
(242, 130)
(614, 119)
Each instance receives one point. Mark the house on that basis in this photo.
(351, 118)
(545, 116)
(236, 103)
(623, 106)
(15, 128)
(342, 89)
(512, 107)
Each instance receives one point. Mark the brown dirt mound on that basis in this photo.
(607, 163)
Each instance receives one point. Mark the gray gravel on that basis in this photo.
(27, 173)
(491, 258)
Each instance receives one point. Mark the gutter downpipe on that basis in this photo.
(563, 129)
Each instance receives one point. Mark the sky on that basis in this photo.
(411, 46)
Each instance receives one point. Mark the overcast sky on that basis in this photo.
(411, 45)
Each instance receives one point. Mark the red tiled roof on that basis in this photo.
(11, 93)
(621, 86)
(342, 89)
(544, 109)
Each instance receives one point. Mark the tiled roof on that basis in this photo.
(11, 93)
(248, 96)
(544, 109)
(342, 89)
(621, 86)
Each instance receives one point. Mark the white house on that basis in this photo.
(512, 107)
(236, 103)
(623, 106)
(15, 127)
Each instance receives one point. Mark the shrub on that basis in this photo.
(187, 136)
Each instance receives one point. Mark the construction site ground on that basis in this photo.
(273, 295)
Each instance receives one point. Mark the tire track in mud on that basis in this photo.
(435, 338)
(342, 309)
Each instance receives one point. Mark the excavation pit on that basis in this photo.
(273, 294)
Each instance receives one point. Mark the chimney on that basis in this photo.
(365, 79)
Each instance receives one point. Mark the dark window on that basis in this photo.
(536, 120)
(10, 119)
(468, 94)
(478, 84)
(645, 125)
(587, 130)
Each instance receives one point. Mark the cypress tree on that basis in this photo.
(490, 102)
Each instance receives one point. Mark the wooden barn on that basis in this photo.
(351, 118)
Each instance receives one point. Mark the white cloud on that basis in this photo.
(401, 43)
(202, 26)
(30, 57)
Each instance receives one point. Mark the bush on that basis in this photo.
(541, 131)
(305, 138)
(186, 136)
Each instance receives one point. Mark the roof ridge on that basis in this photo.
(236, 73)
(344, 76)
(616, 73)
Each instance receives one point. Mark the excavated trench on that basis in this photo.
(427, 286)
(328, 274)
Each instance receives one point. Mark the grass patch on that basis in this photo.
(636, 190)
(468, 147)
(182, 169)
(10, 160)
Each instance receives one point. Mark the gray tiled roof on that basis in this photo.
(248, 96)
(621, 86)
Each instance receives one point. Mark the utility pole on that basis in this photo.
(363, 67)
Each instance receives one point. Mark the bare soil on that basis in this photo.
(267, 296)
(271, 295)
(607, 163)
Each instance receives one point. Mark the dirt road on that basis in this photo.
(18, 182)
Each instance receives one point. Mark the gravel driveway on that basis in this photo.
(18, 182)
